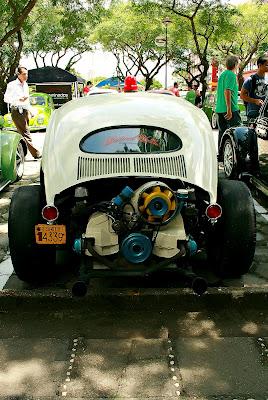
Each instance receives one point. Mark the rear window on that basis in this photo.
(131, 139)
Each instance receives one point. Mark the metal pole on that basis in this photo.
(166, 61)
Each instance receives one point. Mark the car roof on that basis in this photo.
(137, 105)
(39, 94)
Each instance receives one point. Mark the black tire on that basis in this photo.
(229, 160)
(214, 121)
(19, 160)
(231, 244)
(32, 263)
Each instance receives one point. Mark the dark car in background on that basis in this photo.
(244, 149)
(209, 106)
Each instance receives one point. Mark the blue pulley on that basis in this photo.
(158, 207)
(136, 248)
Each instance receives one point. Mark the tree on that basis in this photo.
(250, 37)
(204, 20)
(14, 13)
(129, 31)
(66, 34)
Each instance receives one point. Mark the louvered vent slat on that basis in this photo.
(165, 166)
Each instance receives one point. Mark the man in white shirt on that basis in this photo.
(17, 95)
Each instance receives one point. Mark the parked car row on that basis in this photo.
(12, 154)
(13, 148)
(41, 108)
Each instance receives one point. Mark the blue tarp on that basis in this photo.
(113, 82)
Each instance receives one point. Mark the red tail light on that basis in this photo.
(214, 211)
(50, 213)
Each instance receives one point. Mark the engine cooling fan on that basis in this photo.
(157, 203)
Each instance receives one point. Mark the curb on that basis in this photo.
(134, 299)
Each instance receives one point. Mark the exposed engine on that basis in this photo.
(141, 223)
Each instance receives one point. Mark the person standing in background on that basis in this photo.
(190, 95)
(87, 88)
(255, 89)
(18, 96)
(175, 89)
(227, 107)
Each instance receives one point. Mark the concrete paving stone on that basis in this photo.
(209, 367)
(32, 368)
(214, 324)
(124, 369)
(143, 349)
(146, 378)
(98, 368)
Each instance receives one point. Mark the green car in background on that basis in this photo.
(12, 155)
(41, 109)
(209, 106)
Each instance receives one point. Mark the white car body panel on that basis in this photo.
(73, 121)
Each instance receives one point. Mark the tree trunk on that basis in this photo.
(148, 82)
(240, 78)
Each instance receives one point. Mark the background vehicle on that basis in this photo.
(138, 192)
(42, 107)
(12, 155)
(209, 106)
(244, 150)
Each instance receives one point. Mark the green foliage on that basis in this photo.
(61, 27)
(129, 31)
(155, 84)
(249, 37)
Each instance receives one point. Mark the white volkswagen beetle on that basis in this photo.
(130, 181)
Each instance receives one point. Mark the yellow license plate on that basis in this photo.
(50, 234)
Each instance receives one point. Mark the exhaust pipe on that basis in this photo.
(79, 289)
(197, 283)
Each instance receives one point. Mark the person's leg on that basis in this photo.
(235, 120)
(223, 125)
(21, 121)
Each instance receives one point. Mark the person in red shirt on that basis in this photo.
(175, 89)
(87, 88)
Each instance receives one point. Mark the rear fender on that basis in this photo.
(9, 143)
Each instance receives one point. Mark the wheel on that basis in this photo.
(229, 160)
(20, 159)
(231, 244)
(214, 121)
(31, 262)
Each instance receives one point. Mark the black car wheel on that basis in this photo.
(229, 160)
(231, 244)
(214, 121)
(20, 159)
(31, 262)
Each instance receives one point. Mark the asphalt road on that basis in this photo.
(125, 340)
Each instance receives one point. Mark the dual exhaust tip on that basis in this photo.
(197, 283)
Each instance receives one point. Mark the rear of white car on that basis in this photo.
(130, 181)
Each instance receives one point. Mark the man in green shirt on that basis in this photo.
(227, 97)
(190, 95)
